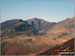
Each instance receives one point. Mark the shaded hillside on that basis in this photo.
(9, 23)
(14, 28)
(68, 46)
(40, 24)
(64, 29)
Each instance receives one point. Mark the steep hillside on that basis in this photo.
(67, 46)
(64, 29)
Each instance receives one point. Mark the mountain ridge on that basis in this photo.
(35, 23)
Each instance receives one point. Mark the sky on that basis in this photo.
(49, 10)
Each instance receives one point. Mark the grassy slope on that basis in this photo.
(22, 45)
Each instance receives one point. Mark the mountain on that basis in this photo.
(29, 27)
(40, 24)
(24, 36)
(64, 29)
(12, 28)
